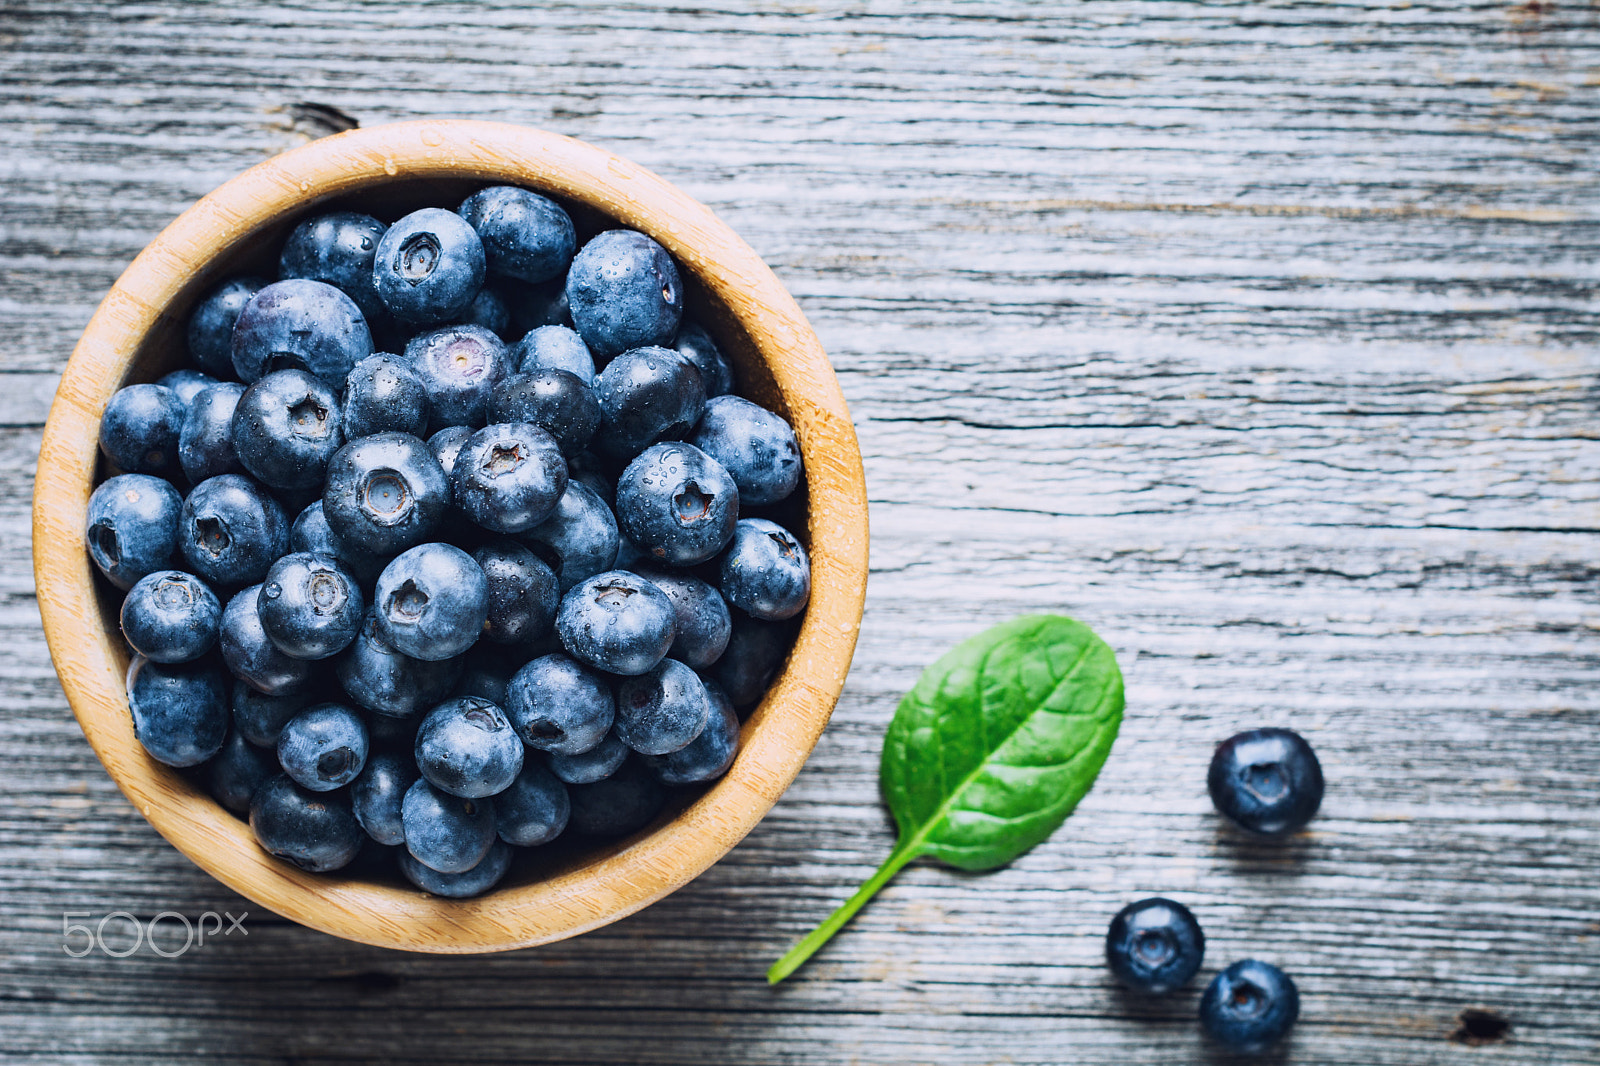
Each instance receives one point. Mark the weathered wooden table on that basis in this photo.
(1259, 337)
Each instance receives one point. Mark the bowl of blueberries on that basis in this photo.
(450, 536)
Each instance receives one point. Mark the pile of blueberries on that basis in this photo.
(470, 595)
(1266, 781)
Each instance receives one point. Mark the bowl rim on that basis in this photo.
(778, 736)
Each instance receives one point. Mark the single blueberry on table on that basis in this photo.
(450, 834)
(523, 593)
(286, 428)
(646, 395)
(132, 527)
(709, 755)
(554, 348)
(310, 606)
(466, 747)
(231, 531)
(337, 248)
(300, 325)
(235, 772)
(382, 394)
(459, 367)
(311, 533)
(579, 539)
(554, 400)
(432, 602)
(323, 747)
(378, 792)
(677, 503)
(765, 572)
(525, 236)
(205, 443)
(1154, 946)
(171, 617)
(260, 718)
(755, 653)
(315, 831)
(508, 477)
(140, 428)
(703, 622)
(699, 348)
(250, 654)
(429, 265)
(558, 705)
(1249, 1006)
(464, 885)
(1266, 780)
(755, 446)
(210, 331)
(385, 493)
(624, 292)
(187, 384)
(661, 710)
(596, 764)
(533, 809)
(618, 805)
(617, 622)
(180, 710)
(390, 684)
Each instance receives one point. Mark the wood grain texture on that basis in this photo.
(1258, 336)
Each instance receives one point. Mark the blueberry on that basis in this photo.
(624, 292)
(139, 430)
(429, 266)
(336, 248)
(596, 764)
(311, 533)
(1249, 1006)
(381, 394)
(523, 594)
(702, 620)
(260, 718)
(446, 446)
(251, 656)
(231, 531)
(532, 306)
(315, 831)
(508, 477)
(579, 539)
(557, 704)
(466, 747)
(180, 710)
(765, 571)
(459, 367)
(646, 395)
(525, 236)
(677, 503)
(533, 809)
(324, 747)
(450, 834)
(554, 348)
(1154, 946)
(286, 428)
(171, 617)
(310, 606)
(132, 527)
(432, 602)
(389, 683)
(617, 622)
(235, 772)
(205, 443)
(698, 347)
(555, 401)
(1266, 780)
(385, 493)
(464, 885)
(377, 793)
(211, 324)
(709, 755)
(187, 384)
(661, 710)
(618, 805)
(300, 325)
(488, 309)
(755, 653)
(754, 445)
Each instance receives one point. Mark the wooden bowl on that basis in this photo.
(136, 335)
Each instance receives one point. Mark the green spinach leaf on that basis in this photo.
(990, 751)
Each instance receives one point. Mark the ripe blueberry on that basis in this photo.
(646, 395)
(235, 772)
(382, 393)
(523, 593)
(300, 325)
(1154, 946)
(618, 805)
(180, 710)
(708, 756)
(377, 793)
(579, 539)
(251, 655)
(596, 764)
(554, 348)
(429, 265)
(310, 606)
(533, 809)
(432, 602)
(205, 444)
(139, 430)
(231, 531)
(171, 617)
(559, 705)
(323, 747)
(210, 331)
(450, 834)
(1266, 780)
(336, 248)
(677, 503)
(132, 527)
(459, 367)
(508, 477)
(525, 236)
(616, 621)
(702, 620)
(756, 446)
(466, 747)
(698, 347)
(470, 882)
(554, 400)
(1249, 1006)
(624, 292)
(315, 831)
(765, 572)
(385, 493)
(286, 428)
(383, 680)
(661, 710)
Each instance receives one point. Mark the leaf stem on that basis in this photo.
(903, 853)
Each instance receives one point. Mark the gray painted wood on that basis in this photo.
(1259, 337)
